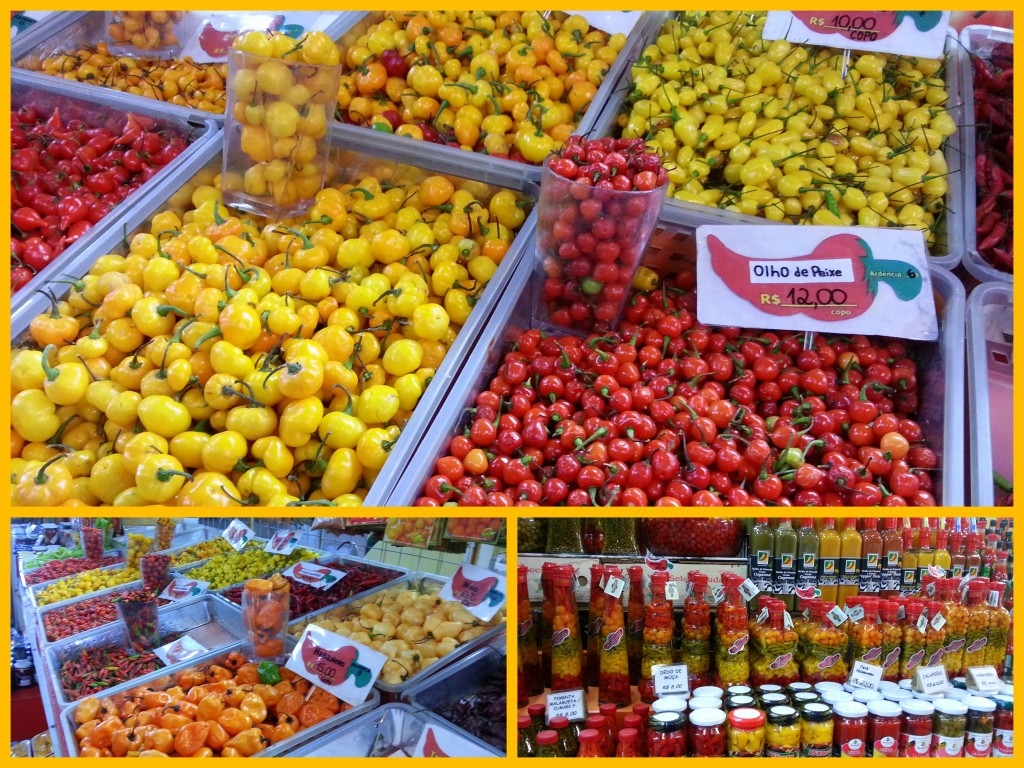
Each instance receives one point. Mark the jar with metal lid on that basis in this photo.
(805, 697)
(548, 745)
(981, 718)
(746, 733)
(739, 690)
(949, 724)
(774, 700)
(798, 688)
(1002, 735)
(850, 729)
(916, 728)
(782, 734)
(707, 733)
(816, 730)
(666, 735)
(761, 690)
(884, 721)
(737, 702)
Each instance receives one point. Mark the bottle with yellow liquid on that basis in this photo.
(828, 560)
(941, 556)
(925, 553)
(908, 574)
(849, 560)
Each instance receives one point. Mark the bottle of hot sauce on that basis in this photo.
(829, 548)
(908, 578)
(958, 559)
(925, 553)
(869, 578)
(892, 556)
(973, 564)
(850, 549)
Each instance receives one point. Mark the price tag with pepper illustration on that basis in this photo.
(344, 668)
(181, 589)
(907, 33)
(482, 592)
(319, 576)
(830, 279)
(282, 542)
(238, 534)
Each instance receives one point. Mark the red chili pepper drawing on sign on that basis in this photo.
(431, 747)
(333, 667)
(472, 593)
(791, 291)
(180, 589)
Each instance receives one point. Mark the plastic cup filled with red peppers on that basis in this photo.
(138, 610)
(155, 568)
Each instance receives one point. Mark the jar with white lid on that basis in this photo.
(669, 704)
(866, 696)
(708, 690)
(980, 726)
(707, 733)
(898, 695)
(704, 702)
(834, 697)
(916, 728)
(884, 720)
(949, 724)
(850, 729)
(827, 685)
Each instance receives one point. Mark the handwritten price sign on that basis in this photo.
(482, 592)
(340, 666)
(908, 33)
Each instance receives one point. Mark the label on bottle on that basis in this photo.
(807, 572)
(977, 744)
(848, 571)
(716, 595)
(613, 640)
(761, 570)
(915, 746)
(890, 581)
(1002, 743)
(922, 623)
(972, 571)
(958, 570)
(855, 613)
(762, 617)
(887, 746)
(816, 750)
(993, 598)
(938, 621)
(921, 571)
(671, 591)
(870, 577)
(908, 581)
(614, 587)
(787, 620)
(785, 574)
(525, 626)
(828, 572)
(947, 746)
(852, 748)
(837, 616)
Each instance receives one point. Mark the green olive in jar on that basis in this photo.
(532, 534)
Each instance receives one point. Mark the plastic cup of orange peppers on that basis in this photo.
(265, 604)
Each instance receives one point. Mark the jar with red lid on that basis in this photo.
(666, 735)
(629, 743)
(707, 733)
(643, 711)
(850, 729)
(590, 744)
(548, 745)
(746, 733)
(1002, 736)
(637, 724)
(611, 716)
(613, 677)
(884, 722)
(527, 748)
(696, 631)
(566, 639)
(916, 728)
(658, 631)
(599, 723)
(568, 734)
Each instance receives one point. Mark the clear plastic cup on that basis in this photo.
(139, 614)
(265, 617)
(155, 570)
(165, 527)
(150, 32)
(92, 542)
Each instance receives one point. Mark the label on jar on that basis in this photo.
(890, 579)
(887, 746)
(977, 744)
(807, 573)
(816, 750)
(761, 570)
(870, 576)
(1002, 743)
(614, 639)
(716, 595)
(837, 616)
(614, 587)
(947, 746)
(779, 750)
(828, 572)
(915, 746)
(852, 748)
(785, 574)
(856, 613)
(938, 622)
(908, 581)
(848, 571)
(922, 623)
(958, 571)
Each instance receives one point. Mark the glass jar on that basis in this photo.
(834, 697)
(566, 642)
(694, 536)
(956, 626)
(949, 724)
(640, 726)
(884, 721)
(770, 700)
(595, 618)
(935, 634)
(568, 735)
(799, 687)
(850, 729)
(635, 622)
(532, 534)
(590, 744)
(998, 627)
(265, 618)
(565, 536)
(981, 719)
(666, 735)
(593, 535)
(528, 655)
(746, 733)
(707, 733)
(619, 536)
(866, 634)
(914, 627)
(804, 698)
(816, 730)
(547, 745)
(826, 648)
(738, 702)
(705, 691)
(776, 647)
(1002, 735)
(536, 714)
(732, 656)
(782, 735)
(865, 696)
(526, 746)
(599, 723)
(92, 543)
(978, 617)
(643, 711)
(739, 690)
(704, 702)
(613, 679)
(696, 631)
(916, 728)
(892, 640)
(658, 630)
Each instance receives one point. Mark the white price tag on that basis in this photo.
(938, 621)
(338, 665)
(931, 679)
(569, 704)
(480, 591)
(614, 586)
(762, 617)
(834, 279)
(983, 679)
(716, 595)
(856, 613)
(182, 588)
(864, 675)
(905, 33)
(922, 623)
(319, 576)
(837, 616)
(787, 620)
(930, 589)
(238, 534)
(282, 542)
(749, 590)
(670, 679)
(182, 649)
(612, 22)
(671, 591)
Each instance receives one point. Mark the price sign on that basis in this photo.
(182, 588)
(238, 534)
(436, 742)
(816, 278)
(670, 679)
(282, 542)
(480, 591)
(319, 576)
(612, 22)
(909, 33)
(182, 649)
(837, 616)
(749, 590)
(931, 679)
(614, 586)
(864, 675)
(570, 704)
(983, 679)
(338, 665)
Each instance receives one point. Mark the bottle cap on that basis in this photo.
(707, 717)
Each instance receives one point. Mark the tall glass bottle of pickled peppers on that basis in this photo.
(829, 548)
(528, 655)
(935, 634)
(658, 630)
(547, 619)
(892, 556)
(696, 631)
(869, 578)
(808, 545)
(595, 617)
(998, 627)
(977, 624)
(784, 552)
(956, 625)
(914, 627)
(825, 659)
(761, 545)
(849, 558)
(892, 639)
(635, 622)
(566, 639)
(866, 634)
(908, 575)
(613, 677)
(732, 638)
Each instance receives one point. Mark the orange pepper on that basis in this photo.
(216, 673)
(290, 703)
(234, 720)
(191, 738)
(247, 673)
(217, 736)
(248, 742)
(311, 714)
